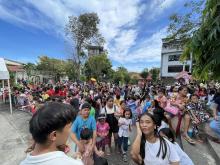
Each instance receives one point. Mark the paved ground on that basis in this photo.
(15, 138)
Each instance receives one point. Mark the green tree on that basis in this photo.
(183, 26)
(98, 67)
(70, 70)
(29, 67)
(155, 73)
(52, 66)
(134, 80)
(144, 73)
(121, 75)
(203, 41)
(83, 31)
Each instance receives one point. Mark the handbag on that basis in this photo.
(171, 109)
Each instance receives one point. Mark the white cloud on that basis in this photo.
(117, 22)
(148, 50)
(157, 7)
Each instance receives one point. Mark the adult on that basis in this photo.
(215, 124)
(151, 148)
(180, 102)
(84, 120)
(49, 128)
(112, 113)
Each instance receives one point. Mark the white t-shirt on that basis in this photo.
(51, 158)
(110, 110)
(184, 158)
(163, 125)
(124, 128)
(151, 150)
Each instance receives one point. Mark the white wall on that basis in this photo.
(165, 63)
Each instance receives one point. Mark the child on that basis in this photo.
(196, 112)
(124, 124)
(147, 104)
(184, 158)
(102, 140)
(86, 142)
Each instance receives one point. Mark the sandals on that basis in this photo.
(189, 140)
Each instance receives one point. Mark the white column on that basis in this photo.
(3, 92)
(16, 77)
(9, 93)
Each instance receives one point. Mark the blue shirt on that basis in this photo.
(146, 106)
(81, 123)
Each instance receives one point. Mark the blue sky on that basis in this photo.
(132, 28)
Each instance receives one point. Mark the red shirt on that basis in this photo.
(50, 92)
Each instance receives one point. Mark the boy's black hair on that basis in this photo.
(85, 134)
(50, 117)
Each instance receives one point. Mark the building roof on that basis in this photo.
(95, 47)
(12, 62)
(15, 68)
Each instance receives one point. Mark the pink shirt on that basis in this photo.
(102, 128)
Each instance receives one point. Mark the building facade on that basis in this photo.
(16, 68)
(95, 50)
(170, 59)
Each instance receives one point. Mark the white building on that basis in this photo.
(17, 68)
(170, 59)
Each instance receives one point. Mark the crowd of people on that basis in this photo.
(98, 115)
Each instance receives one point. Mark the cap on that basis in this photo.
(86, 105)
(101, 116)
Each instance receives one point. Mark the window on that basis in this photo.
(175, 68)
(173, 57)
(187, 68)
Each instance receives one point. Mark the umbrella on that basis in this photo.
(93, 79)
(184, 75)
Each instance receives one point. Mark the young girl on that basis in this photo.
(184, 158)
(102, 140)
(124, 124)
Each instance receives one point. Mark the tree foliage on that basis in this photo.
(52, 66)
(70, 69)
(99, 67)
(155, 73)
(183, 26)
(83, 31)
(144, 73)
(204, 43)
(121, 75)
(29, 67)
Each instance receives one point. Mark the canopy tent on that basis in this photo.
(4, 75)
